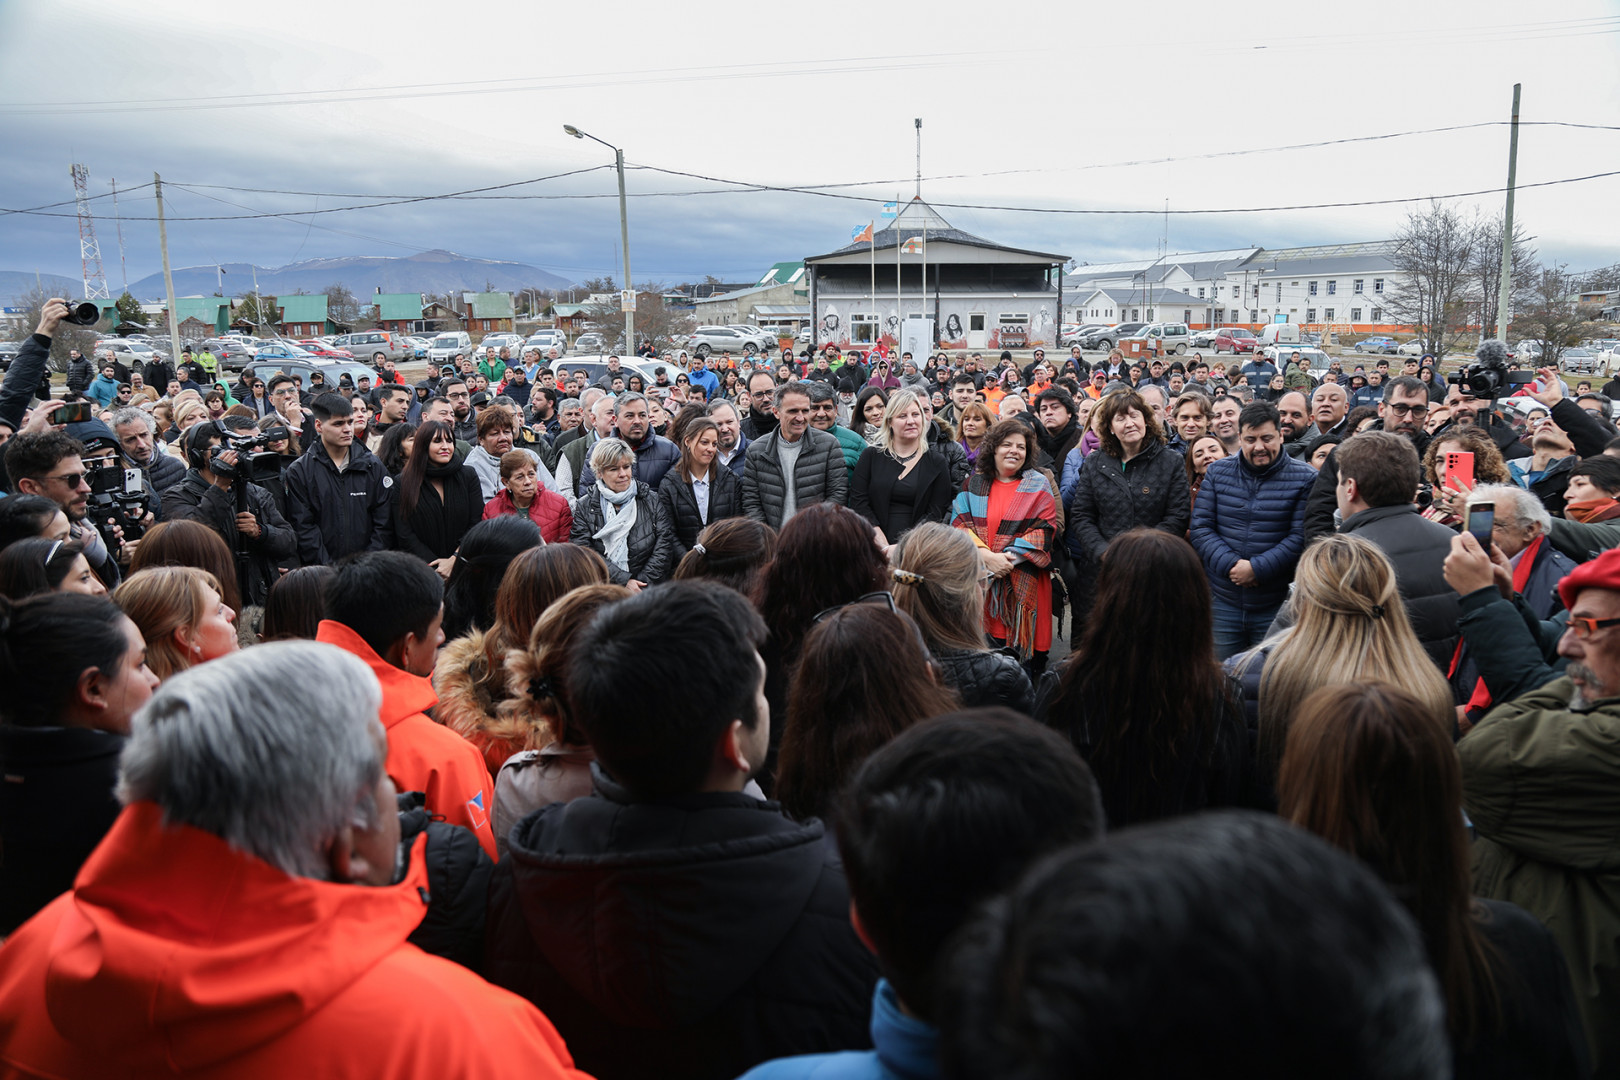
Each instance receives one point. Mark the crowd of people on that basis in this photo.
(709, 726)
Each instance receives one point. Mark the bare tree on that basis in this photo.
(1551, 317)
(1603, 278)
(654, 322)
(341, 306)
(67, 336)
(1487, 273)
(1435, 252)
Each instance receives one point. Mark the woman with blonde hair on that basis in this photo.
(188, 413)
(898, 484)
(180, 614)
(1352, 627)
(559, 770)
(470, 676)
(940, 582)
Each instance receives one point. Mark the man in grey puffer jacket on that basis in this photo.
(794, 465)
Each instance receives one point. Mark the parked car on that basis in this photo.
(282, 350)
(331, 370)
(546, 340)
(417, 346)
(1414, 347)
(321, 348)
(1579, 361)
(1168, 338)
(1109, 336)
(233, 353)
(1077, 335)
(1378, 344)
(1311, 338)
(595, 365)
(1202, 339)
(8, 353)
(127, 351)
(762, 338)
(1310, 360)
(373, 345)
(1234, 339)
(501, 340)
(449, 344)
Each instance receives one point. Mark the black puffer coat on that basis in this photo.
(80, 374)
(688, 938)
(725, 501)
(651, 544)
(458, 884)
(819, 475)
(984, 678)
(1417, 548)
(1109, 499)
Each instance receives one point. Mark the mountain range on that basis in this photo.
(427, 272)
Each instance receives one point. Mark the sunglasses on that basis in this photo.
(885, 598)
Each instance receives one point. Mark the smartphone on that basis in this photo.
(1459, 474)
(1481, 519)
(74, 412)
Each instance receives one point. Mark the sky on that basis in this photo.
(1067, 130)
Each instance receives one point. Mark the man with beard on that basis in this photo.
(1541, 785)
(51, 464)
(761, 406)
(1404, 409)
(459, 394)
(1468, 410)
(1297, 430)
(733, 443)
(1247, 528)
(1191, 420)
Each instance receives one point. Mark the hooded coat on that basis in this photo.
(691, 937)
(247, 973)
(422, 755)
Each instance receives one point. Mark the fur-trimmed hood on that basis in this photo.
(476, 703)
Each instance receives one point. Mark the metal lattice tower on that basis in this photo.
(95, 281)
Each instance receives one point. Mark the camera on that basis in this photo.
(254, 464)
(117, 498)
(84, 313)
(1488, 376)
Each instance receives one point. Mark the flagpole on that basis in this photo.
(871, 243)
(899, 302)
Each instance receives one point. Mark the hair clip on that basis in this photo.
(700, 549)
(540, 687)
(908, 577)
(1378, 611)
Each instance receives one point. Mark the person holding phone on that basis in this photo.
(1378, 477)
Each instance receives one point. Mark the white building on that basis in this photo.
(1176, 288)
(1138, 305)
(978, 294)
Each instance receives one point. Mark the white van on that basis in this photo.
(1279, 333)
(1170, 338)
(449, 344)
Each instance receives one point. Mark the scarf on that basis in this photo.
(618, 518)
(1051, 440)
(448, 468)
(1592, 510)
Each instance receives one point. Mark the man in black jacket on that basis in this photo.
(1404, 409)
(761, 420)
(669, 924)
(1378, 474)
(337, 493)
(206, 496)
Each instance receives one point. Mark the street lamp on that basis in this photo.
(624, 236)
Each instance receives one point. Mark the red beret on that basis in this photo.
(1602, 572)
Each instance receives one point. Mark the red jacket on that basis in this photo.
(176, 954)
(549, 510)
(422, 755)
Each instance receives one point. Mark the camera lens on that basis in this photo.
(83, 313)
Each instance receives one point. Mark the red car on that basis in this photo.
(1234, 339)
(321, 348)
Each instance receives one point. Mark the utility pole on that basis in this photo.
(168, 276)
(628, 296)
(1507, 224)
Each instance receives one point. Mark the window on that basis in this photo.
(1257, 292)
(1150, 316)
(1333, 288)
(1377, 314)
(1254, 316)
(1310, 314)
(1312, 289)
(1356, 286)
(1355, 314)
(1136, 315)
(976, 321)
(863, 327)
(1327, 314)
(1279, 291)
(1378, 285)
(1014, 318)
(1200, 292)
(1186, 315)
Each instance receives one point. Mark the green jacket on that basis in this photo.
(493, 372)
(1541, 784)
(852, 445)
(1584, 540)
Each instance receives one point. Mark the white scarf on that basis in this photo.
(618, 518)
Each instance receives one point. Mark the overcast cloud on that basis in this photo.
(789, 96)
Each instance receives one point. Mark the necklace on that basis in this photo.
(907, 458)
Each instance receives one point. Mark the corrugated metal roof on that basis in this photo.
(783, 311)
(399, 305)
(912, 221)
(783, 273)
(1141, 298)
(491, 305)
(303, 309)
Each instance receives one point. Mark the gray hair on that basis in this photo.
(568, 403)
(1164, 398)
(133, 415)
(274, 750)
(590, 395)
(1527, 509)
(720, 403)
(601, 406)
(820, 391)
(627, 399)
(610, 453)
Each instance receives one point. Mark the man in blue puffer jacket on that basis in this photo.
(1249, 528)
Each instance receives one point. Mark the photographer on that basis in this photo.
(209, 496)
(30, 370)
(51, 464)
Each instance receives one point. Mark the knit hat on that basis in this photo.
(1602, 572)
(93, 434)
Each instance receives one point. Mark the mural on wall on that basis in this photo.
(953, 336)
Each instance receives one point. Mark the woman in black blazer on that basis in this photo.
(898, 483)
(700, 444)
(436, 499)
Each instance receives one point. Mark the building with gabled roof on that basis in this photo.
(306, 316)
(969, 292)
(400, 313)
(489, 312)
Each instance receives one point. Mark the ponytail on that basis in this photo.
(46, 643)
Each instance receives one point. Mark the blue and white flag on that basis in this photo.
(891, 209)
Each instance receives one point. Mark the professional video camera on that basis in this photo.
(254, 464)
(1488, 376)
(117, 498)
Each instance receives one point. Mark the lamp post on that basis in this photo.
(624, 238)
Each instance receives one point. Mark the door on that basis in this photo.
(977, 338)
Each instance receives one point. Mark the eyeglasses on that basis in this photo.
(72, 480)
(1582, 626)
(1402, 409)
(884, 598)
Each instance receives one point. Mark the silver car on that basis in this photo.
(720, 339)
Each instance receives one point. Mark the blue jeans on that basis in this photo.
(1238, 629)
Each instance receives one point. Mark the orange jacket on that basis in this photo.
(177, 955)
(422, 755)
